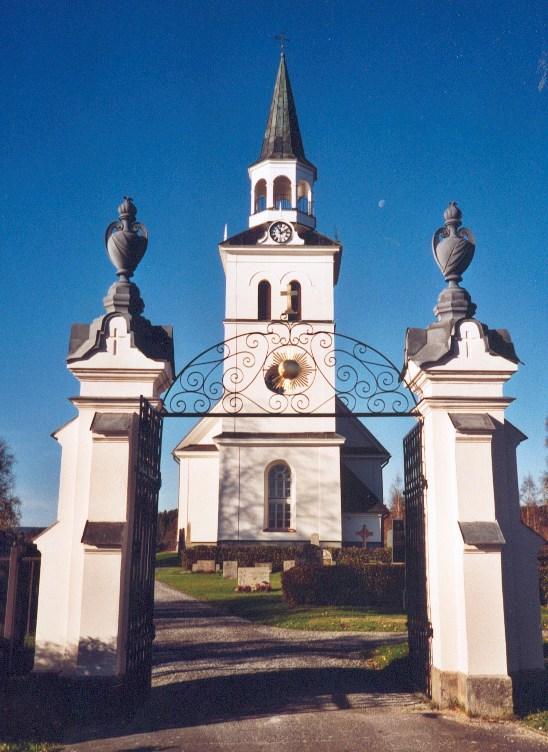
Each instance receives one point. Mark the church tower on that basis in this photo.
(280, 476)
(271, 472)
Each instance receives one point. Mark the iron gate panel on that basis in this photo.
(143, 549)
(419, 627)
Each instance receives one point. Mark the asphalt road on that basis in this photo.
(221, 684)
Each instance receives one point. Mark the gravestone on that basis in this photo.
(327, 557)
(289, 564)
(252, 576)
(314, 539)
(309, 555)
(204, 565)
(267, 564)
(230, 570)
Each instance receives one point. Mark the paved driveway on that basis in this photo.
(221, 684)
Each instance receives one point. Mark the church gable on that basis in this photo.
(359, 440)
(200, 436)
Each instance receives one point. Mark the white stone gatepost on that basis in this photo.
(482, 576)
(86, 556)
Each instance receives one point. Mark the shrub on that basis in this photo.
(343, 585)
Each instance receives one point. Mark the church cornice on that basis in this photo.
(310, 438)
(253, 235)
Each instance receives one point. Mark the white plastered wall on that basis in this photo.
(315, 492)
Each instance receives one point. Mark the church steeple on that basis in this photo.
(282, 177)
(282, 138)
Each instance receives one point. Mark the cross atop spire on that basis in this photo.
(282, 39)
(282, 138)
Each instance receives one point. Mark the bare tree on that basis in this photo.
(396, 501)
(10, 505)
(529, 494)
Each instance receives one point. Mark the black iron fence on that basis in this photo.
(19, 582)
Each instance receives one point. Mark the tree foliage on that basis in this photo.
(10, 504)
(166, 536)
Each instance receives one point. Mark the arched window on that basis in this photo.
(294, 313)
(263, 301)
(279, 497)
(282, 193)
(260, 196)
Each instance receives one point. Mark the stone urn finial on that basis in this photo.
(126, 240)
(453, 246)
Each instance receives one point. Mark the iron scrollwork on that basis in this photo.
(287, 369)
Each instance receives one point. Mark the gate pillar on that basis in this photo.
(87, 554)
(482, 576)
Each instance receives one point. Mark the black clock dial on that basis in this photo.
(280, 232)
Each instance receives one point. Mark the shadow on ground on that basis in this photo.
(50, 709)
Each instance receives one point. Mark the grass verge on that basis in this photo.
(28, 747)
(271, 609)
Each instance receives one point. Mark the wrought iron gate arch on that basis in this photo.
(365, 382)
(289, 358)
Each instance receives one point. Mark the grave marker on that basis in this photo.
(230, 570)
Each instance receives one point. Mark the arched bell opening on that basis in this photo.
(282, 192)
(259, 202)
(304, 197)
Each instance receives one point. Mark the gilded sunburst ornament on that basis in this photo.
(289, 372)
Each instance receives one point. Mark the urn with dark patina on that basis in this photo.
(126, 240)
(453, 246)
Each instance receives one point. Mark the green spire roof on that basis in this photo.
(282, 138)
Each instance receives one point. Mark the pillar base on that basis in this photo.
(489, 696)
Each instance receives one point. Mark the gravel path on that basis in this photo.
(222, 684)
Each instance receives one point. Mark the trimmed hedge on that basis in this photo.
(343, 585)
(358, 557)
(248, 556)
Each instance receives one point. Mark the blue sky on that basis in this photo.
(414, 103)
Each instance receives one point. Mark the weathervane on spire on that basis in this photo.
(282, 39)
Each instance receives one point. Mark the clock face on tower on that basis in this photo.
(280, 232)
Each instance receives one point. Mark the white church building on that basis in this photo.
(258, 477)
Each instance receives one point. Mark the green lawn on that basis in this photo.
(270, 608)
